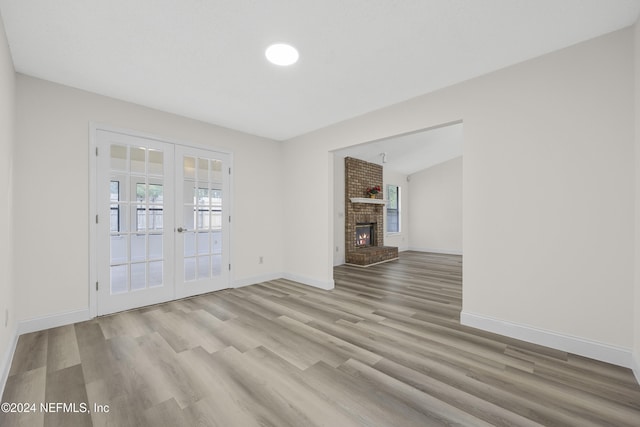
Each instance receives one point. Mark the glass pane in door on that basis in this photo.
(202, 217)
(136, 213)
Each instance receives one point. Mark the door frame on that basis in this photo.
(93, 200)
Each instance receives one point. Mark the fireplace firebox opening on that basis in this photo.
(365, 235)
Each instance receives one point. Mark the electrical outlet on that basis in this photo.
(337, 249)
(260, 259)
(6, 317)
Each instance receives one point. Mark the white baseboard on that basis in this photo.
(580, 346)
(437, 250)
(293, 277)
(53, 321)
(326, 285)
(7, 358)
(371, 265)
(635, 366)
(256, 279)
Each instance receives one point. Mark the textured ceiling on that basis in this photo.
(204, 59)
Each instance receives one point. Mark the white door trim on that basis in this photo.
(93, 202)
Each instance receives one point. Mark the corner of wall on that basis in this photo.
(635, 362)
(6, 359)
(636, 292)
(8, 331)
(320, 284)
(253, 280)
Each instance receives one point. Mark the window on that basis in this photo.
(393, 209)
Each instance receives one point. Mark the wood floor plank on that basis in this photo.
(30, 353)
(343, 349)
(123, 410)
(295, 348)
(167, 413)
(352, 308)
(67, 387)
(485, 401)
(214, 305)
(306, 403)
(97, 361)
(460, 353)
(281, 310)
(126, 323)
(178, 379)
(219, 411)
(62, 351)
(25, 387)
(384, 348)
(226, 404)
(318, 310)
(89, 333)
(414, 398)
(252, 390)
(575, 399)
(382, 408)
(137, 372)
(377, 305)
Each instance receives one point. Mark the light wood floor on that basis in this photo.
(385, 348)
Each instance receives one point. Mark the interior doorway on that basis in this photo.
(422, 211)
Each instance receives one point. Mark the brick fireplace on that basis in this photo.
(364, 222)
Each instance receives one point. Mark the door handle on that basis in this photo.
(181, 230)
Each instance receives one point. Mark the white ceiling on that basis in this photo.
(204, 59)
(408, 154)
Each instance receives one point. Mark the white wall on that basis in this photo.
(435, 215)
(636, 334)
(308, 199)
(548, 192)
(52, 191)
(400, 240)
(548, 196)
(7, 110)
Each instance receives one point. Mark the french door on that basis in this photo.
(202, 217)
(162, 228)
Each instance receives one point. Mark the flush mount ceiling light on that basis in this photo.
(282, 54)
